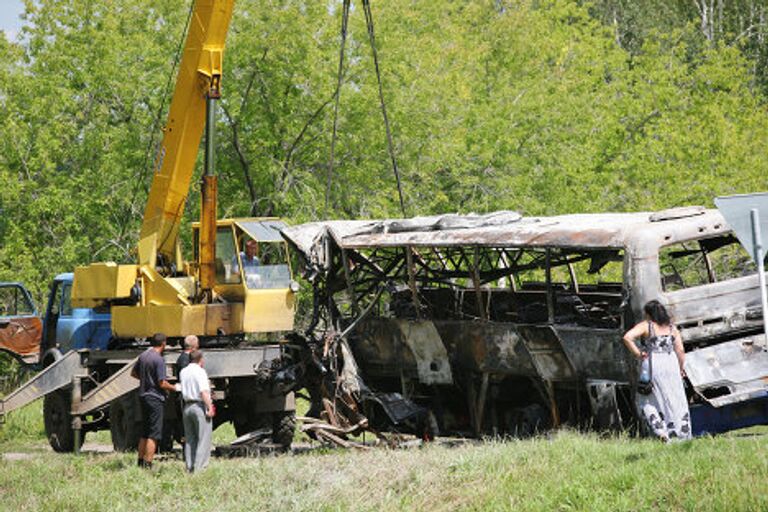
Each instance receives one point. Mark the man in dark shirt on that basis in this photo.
(150, 370)
(191, 343)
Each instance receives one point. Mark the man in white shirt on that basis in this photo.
(198, 411)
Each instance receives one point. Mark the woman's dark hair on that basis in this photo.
(657, 312)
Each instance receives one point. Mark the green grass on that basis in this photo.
(563, 472)
(23, 426)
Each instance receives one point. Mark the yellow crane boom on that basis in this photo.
(199, 78)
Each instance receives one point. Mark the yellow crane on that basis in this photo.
(214, 293)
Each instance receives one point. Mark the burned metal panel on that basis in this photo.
(546, 350)
(427, 347)
(717, 308)
(526, 232)
(541, 351)
(729, 372)
(603, 401)
(487, 347)
(379, 349)
(596, 353)
(633, 231)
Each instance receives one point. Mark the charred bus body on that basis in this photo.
(502, 324)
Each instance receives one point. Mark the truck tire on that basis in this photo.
(125, 423)
(283, 428)
(58, 421)
(49, 357)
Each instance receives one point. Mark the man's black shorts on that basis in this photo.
(152, 414)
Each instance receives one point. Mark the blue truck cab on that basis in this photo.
(66, 328)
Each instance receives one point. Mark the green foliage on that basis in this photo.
(86, 84)
(543, 107)
(735, 23)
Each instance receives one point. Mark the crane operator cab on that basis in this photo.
(250, 262)
(252, 268)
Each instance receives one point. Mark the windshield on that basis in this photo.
(704, 261)
(264, 264)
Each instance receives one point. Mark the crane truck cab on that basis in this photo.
(68, 328)
(36, 340)
(266, 289)
(246, 300)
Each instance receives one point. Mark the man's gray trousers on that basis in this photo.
(197, 430)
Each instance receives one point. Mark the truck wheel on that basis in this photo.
(58, 422)
(283, 427)
(124, 424)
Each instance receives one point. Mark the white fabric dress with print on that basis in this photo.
(665, 409)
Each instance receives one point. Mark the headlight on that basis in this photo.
(294, 287)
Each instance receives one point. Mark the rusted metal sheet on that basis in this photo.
(424, 342)
(546, 351)
(480, 346)
(20, 328)
(21, 335)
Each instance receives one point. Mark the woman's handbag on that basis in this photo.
(645, 381)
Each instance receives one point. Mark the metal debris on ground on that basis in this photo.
(256, 443)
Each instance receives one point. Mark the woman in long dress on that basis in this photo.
(665, 408)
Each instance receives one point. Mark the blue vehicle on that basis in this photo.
(66, 328)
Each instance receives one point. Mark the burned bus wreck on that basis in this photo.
(503, 324)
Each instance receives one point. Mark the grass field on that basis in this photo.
(562, 472)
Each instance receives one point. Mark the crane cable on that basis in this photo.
(390, 146)
(158, 117)
(344, 22)
(382, 104)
